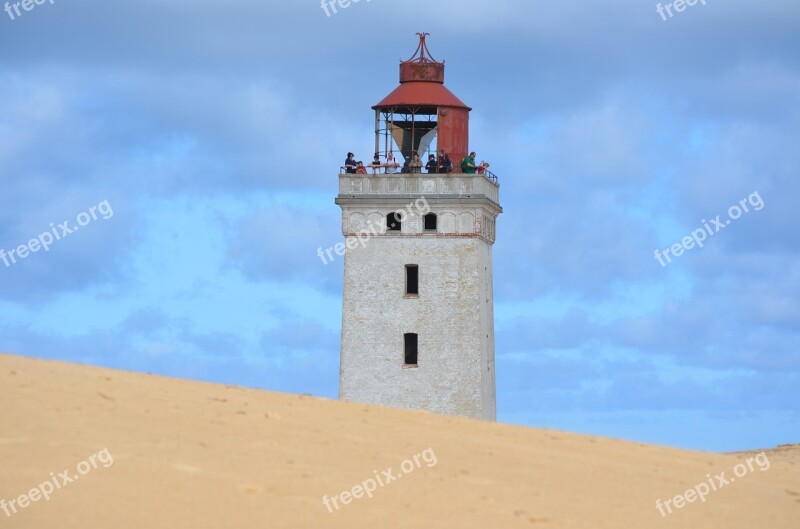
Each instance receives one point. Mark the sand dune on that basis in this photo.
(153, 452)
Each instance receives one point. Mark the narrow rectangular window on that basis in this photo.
(410, 349)
(412, 280)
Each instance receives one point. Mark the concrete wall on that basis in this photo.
(452, 315)
(454, 185)
(449, 315)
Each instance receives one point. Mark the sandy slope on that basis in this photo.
(194, 455)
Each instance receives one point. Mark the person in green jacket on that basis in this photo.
(468, 164)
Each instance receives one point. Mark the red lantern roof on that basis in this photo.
(421, 93)
(421, 83)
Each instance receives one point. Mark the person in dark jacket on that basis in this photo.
(350, 164)
(445, 164)
(431, 165)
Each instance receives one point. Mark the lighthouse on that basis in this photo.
(417, 309)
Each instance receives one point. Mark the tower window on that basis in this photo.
(410, 349)
(394, 221)
(430, 222)
(412, 280)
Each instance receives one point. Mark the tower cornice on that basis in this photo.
(434, 186)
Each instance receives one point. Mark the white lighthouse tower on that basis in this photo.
(417, 318)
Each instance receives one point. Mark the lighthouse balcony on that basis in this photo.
(450, 184)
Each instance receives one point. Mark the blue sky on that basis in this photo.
(215, 130)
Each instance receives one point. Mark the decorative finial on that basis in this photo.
(422, 54)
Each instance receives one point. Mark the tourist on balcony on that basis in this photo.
(350, 164)
(445, 164)
(482, 167)
(391, 163)
(360, 169)
(468, 164)
(376, 163)
(431, 166)
(416, 164)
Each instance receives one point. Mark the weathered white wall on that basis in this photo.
(453, 313)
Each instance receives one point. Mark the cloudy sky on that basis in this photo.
(207, 136)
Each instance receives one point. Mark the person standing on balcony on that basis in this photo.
(391, 163)
(376, 163)
(468, 164)
(350, 164)
(445, 164)
(431, 166)
(416, 164)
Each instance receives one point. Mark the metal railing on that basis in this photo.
(371, 171)
(490, 175)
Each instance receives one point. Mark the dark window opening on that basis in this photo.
(412, 280)
(394, 221)
(430, 222)
(410, 349)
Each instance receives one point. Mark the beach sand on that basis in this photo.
(196, 455)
